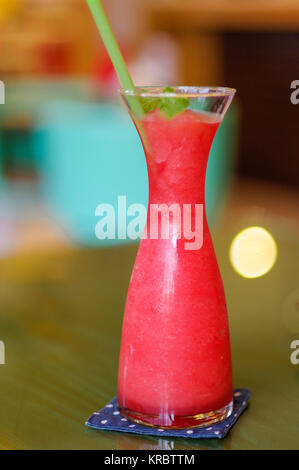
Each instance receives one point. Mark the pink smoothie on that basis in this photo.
(175, 353)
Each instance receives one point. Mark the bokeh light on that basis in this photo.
(253, 252)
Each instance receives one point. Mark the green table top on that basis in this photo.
(60, 320)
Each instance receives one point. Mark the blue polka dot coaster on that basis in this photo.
(110, 419)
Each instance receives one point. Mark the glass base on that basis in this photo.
(179, 422)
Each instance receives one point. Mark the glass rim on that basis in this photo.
(180, 92)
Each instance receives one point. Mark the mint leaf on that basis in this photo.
(170, 107)
(150, 104)
(169, 89)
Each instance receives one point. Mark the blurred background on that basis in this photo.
(67, 145)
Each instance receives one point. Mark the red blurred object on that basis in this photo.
(54, 58)
(104, 75)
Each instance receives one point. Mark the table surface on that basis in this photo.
(60, 320)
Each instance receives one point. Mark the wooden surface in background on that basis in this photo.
(225, 14)
(60, 319)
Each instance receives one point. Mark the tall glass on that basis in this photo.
(175, 361)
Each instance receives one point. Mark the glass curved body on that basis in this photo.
(175, 361)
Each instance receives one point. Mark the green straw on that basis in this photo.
(113, 50)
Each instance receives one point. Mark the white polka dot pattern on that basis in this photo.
(110, 418)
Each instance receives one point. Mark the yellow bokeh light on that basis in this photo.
(253, 252)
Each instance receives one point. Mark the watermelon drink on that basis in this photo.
(175, 361)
